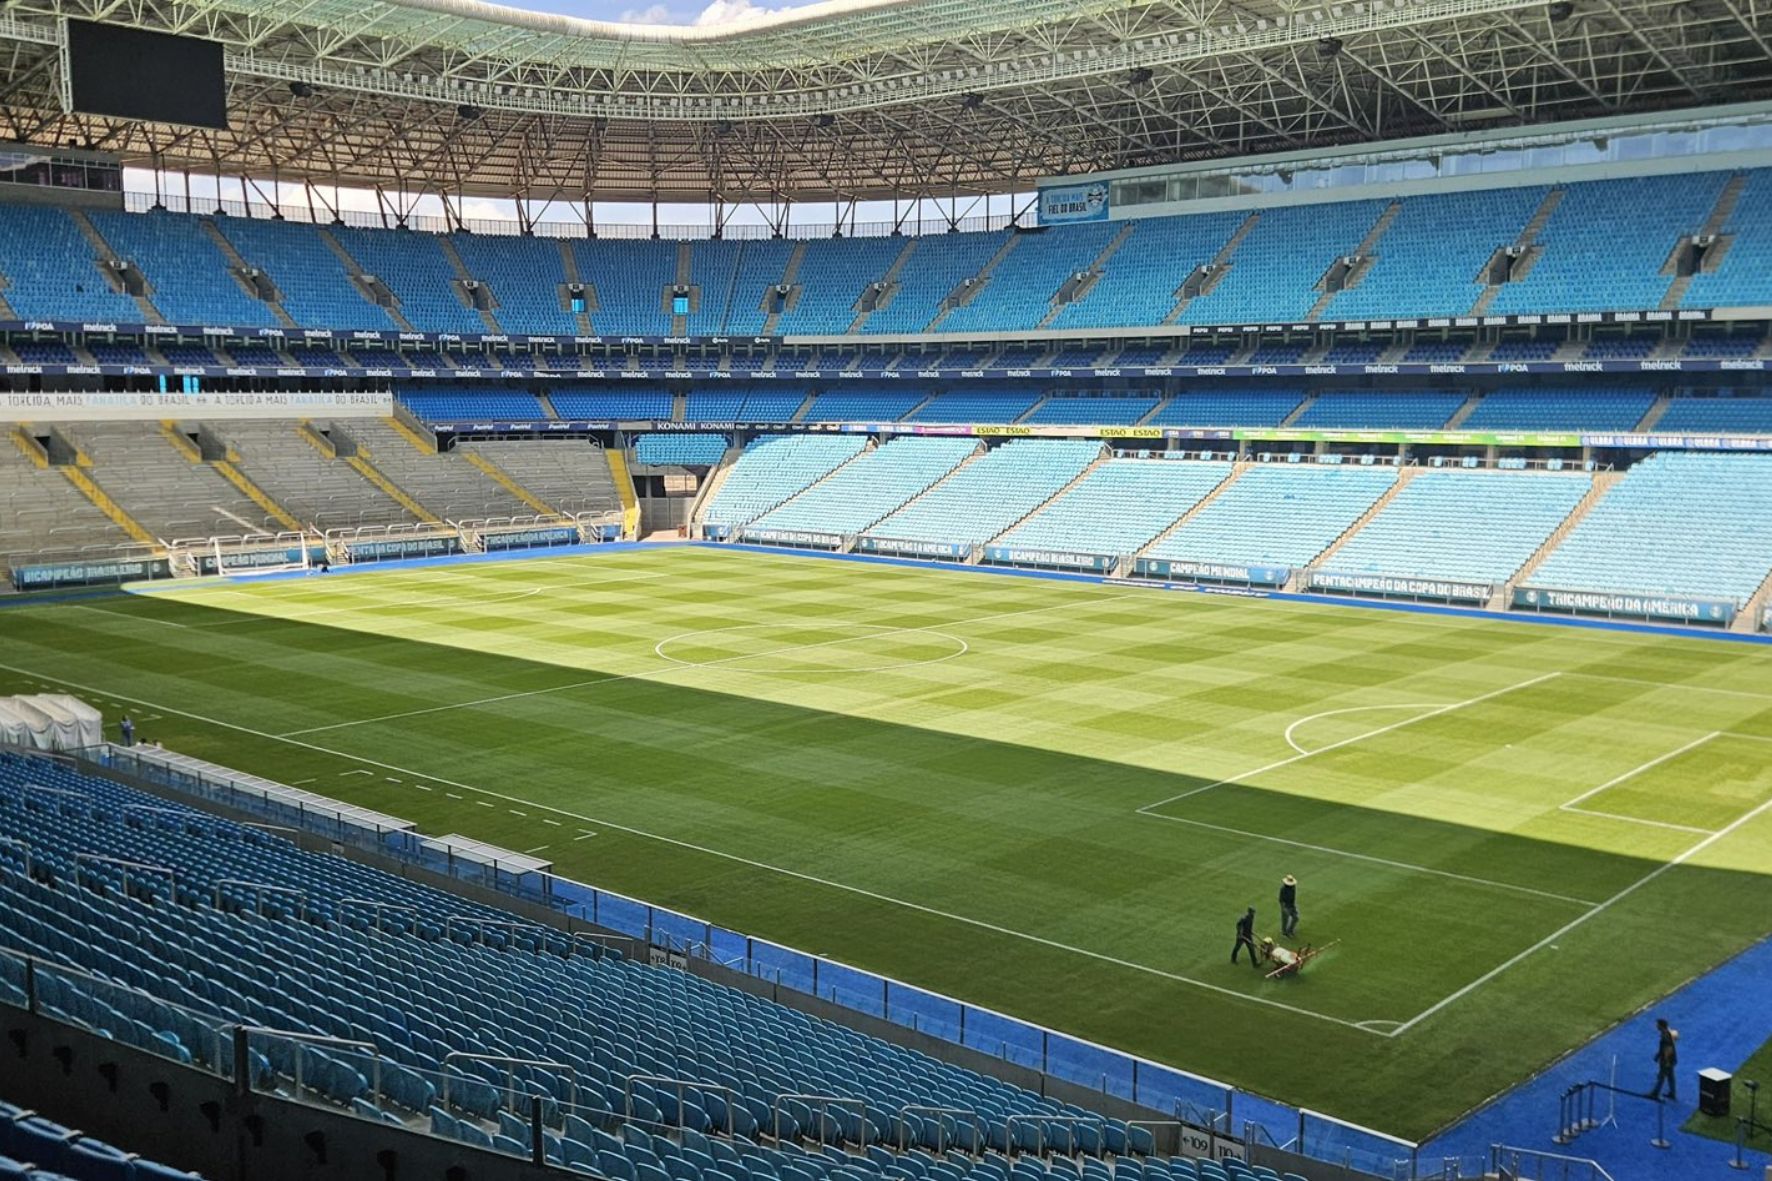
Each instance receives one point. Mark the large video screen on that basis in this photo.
(154, 77)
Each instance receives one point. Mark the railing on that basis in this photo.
(682, 1087)
(1195, 1099)
(510, 1065)
(260, 889)
(942, 1117)
(82, 860)
(243, 1035)
(821, 1105)
(1532, 1164)
(378, 908)
(1042, 1122)
(1578, 1111)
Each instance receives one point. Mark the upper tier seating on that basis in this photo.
(1117, 508)
(1274, 273)
(1538, 408)
(833, 274)
(870, 486)
(1741, 277)
(1604, 246)
(1252, 407)
(1476, 526)
(1431, 257)
(318, 491)
(527, 277)
(632, 279)
(1678, 523)
(50, 272)
(313, 284)
(188, 276)
(1278, 514)
(1001, 407)
(679, 450)
(416, 270)
(168, 495)
(864, 405)
(761, 264)
(773, 468)
(1747, 412)
(568, 475)
(452, 403)
(618, 403)
(447, 485)
(1020, 291)
(1140, 282)
(938, 265)
(1097, 411)
(992, 492)
(1389, 410)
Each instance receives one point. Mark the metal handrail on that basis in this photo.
(940, 1124)
(80, 859)
(681, 1085)
(259, 898)
(1500, 1154)
(565, 1068)
(377, 907)
(1041, 1121)
(822, 1103)
(15, 843)
(1153, 1125)
(474, 920)
(245, 1033)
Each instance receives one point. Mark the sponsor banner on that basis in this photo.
(716, 532)
(1457, 438)
(1016, 556)
(1710, 611)
(253, 559)
(1212, 571)
(89, 573)
(529, 538)
(799, 537)
(403, 547)
(918, 549)
(1391, 585)
(19, 407)
(1066, 204)
(361, 335)
(1681, 442)
(1130, 432)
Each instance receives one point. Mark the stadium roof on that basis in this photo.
(853, 99)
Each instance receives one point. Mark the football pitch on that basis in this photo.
(1050, 798)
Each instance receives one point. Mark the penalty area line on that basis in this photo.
(797, 875)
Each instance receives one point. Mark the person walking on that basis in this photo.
(1666, 1058)
(1246, 938)
(127, 728)
(1288, 906)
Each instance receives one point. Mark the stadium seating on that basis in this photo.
(855, 404)
(451, 403)
(1541, 408)
(1477, 526)
(684, 450)
(1119, 507)
(618, 403)
(871, 486)
(1274, 272)
(760, 266)
(1098, 411)
(316, 489)
(1020, 290)
(832, 276)
(568, 475)
(631, 281)
(1741, 276)
(938, 266)
(167, 494)
(1141, 282)
(1388, 410)
(50, 270)
(1678, 523)
(991, 493)
(741, 405)
(447, 485)
(41, 513)
(33, 1148)
(773, 468)
(1229, 407)
(188, 275)
(313, 284)
(1748, 412)
(1005, 406)
(526, 277)
(416, 270)
(1278, 514)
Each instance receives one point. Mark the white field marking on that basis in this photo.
(555, 823)
(421, 787)
(1352, 709)
(453, 795)
(797, 875)
(1378, 1026)
(484, 804)
(1149, 809)
(514, 812)
(1560, 932)
(391, 779)
(583, 835)
(654, 672)
(358, 771)
(121, 614)
(1402, 865)
(537, 849)
(299, 782)
(877, 630)
(1574, 804)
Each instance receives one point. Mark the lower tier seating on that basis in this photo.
(1117, 508)
(688, 450)
(773, 468)
(871, 486)
(991, 493)
(1278, 515)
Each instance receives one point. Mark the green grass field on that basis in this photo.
(1758, 1068)
(1050, 798)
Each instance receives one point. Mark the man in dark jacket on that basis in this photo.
(1288, 906)
(1666, 1058)
(1246, 938)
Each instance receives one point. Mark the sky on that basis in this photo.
(659, 12)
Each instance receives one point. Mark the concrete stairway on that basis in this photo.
(890, 280)
(1378, 506)
(1748, 618)
(1525, 242)
(357, 273)
(1092, 275)
(1464, 411)
(790, 276)
(1363, 252)
(1653, 414)
(102, 251)
(685, 279)
(979, 282)
(1218, 262)
(1719, 217)
(463, 276)
(1237, 469)
(1106, 454)
(569, 268)
(239, 266)
(1603, 482)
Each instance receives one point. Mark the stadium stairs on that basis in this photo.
(1027, 414)
(359, 460)
(228, 468)
(1603, 482)
(569, 269)
(1653, 415)
(888, 285)
(790, 279)
(73, 465)
(1106, 454)
(463, 277)
(509, 483)
(1713, 258)
(547, 405)
(384, 298)
(971, 289)
(1363, 259)
(1463, 412)
(715, 478)
(1527, 245)
(805, 408)
(1216, 268)
(1404, 475)
(6, 309)
(1079, 286)
(624, 492)
(1748, 618)
(1298, 411)
(1237, 469)
(102, 251)
(240, 268)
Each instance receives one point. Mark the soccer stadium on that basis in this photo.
(886, 590)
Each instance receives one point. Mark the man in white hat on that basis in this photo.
(1288, 906)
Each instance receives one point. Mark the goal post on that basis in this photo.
(285, 555)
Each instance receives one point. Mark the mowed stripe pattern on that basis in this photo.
(940, 776)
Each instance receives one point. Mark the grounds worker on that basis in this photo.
(1246, 938)
(1288, 906)
(1666, 1058)
(127, 728)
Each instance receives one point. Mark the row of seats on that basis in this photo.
(1602, 247)
(33, 1148)
(870, 486)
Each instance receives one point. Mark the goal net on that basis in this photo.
(245, 562)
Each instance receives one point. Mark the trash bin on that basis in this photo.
(1714, 1086)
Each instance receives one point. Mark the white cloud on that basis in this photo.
(734, 12)
(657, 14)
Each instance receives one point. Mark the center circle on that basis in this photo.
(810, 647)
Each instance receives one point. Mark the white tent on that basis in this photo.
(50, 721)
(15, 727)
